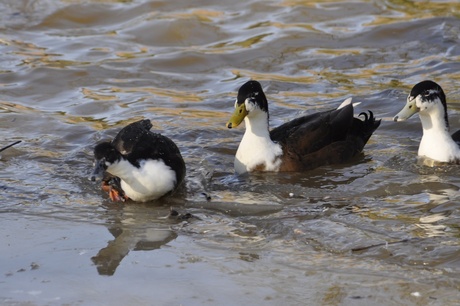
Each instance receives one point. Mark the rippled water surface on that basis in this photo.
(381, 230)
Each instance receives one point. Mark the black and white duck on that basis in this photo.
(428, 100)
(146, 165)
(305, 143)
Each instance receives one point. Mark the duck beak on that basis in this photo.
(409, 109)
(238, 116)
(98, 171)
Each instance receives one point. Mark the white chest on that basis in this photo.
(439, 146)
(436, 142)
(257, 152)
(149, 182)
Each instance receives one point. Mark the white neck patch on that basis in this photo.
(256, 150)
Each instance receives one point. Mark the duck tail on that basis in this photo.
(348, 102)
(362, 130)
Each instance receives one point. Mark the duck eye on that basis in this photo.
(426, 94)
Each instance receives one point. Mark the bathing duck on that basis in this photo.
(428, 100)
(10, 145)
(305, 143)
(143, 165)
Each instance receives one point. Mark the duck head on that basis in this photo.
(426, 98)
(250, 101)
(105, 156)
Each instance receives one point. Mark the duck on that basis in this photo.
(305, 143)
(429, 100)
(10, 145)
(141, 165)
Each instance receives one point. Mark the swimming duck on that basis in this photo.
(305, 143)
(10, 145)
(428, 100)
(146, 165)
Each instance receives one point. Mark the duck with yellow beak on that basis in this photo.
(305, 143)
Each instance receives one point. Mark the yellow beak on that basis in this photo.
(238, 116)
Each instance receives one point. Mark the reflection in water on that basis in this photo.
(109, 258)
(430, 226)
(130, 235)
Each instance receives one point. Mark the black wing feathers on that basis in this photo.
(456, 137)
(136, 142)
(328, 137)
(312, 132)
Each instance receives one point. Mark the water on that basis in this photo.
(381, 230)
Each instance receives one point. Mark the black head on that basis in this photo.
(105, 155)
(106, 151)
(430, 92)
(252, 92)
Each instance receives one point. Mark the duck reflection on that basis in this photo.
(109, 258)
(134, 234)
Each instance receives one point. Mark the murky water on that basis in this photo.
(382, 230)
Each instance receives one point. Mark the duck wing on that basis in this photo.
(329, 137)
(456, 137)
(130, 135)
(158, 147)
(136, 142)
(312, 132)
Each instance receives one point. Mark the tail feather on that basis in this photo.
(362, 130)
(347, 102)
